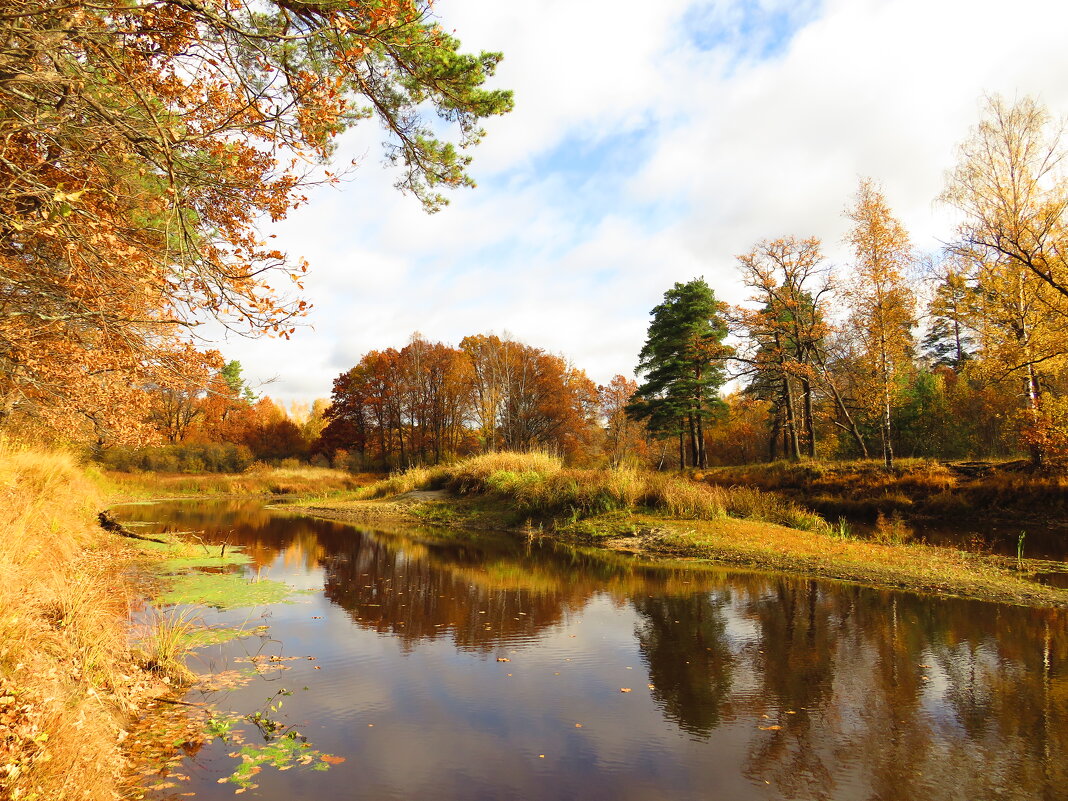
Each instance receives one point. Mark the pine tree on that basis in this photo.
(682, 363)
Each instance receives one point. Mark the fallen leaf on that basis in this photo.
(770, 728)
(624, 689)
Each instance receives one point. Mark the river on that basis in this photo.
(442, 666)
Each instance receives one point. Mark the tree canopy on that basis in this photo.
(142, 143)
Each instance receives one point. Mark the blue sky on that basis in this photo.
(651, 143)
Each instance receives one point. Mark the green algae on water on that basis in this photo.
(224, 590)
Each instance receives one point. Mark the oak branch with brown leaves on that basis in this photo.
(140, 145)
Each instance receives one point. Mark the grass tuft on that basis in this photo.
(166, 640)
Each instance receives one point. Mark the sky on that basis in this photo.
(650, 143)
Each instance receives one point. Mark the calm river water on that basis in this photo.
(741, 685)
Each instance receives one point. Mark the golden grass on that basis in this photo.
(165, 641)
(260, 479)
(917, 567)
(65, 669)
(538, 484)
(864, 489)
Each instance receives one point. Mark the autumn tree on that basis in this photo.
(1010, 184)
(624, 436)
(882, 304)
(682, 363)
(140, 144)
(790, 286)
(1011, 187)
(548, 404)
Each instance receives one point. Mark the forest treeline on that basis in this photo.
(958, 354)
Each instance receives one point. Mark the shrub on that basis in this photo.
(223, 457)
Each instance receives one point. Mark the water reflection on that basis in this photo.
(742, 685)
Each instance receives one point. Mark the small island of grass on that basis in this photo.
(669, 515)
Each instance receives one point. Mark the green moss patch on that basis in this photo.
(185, 563)
(224, 591)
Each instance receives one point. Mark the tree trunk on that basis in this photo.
(791, 418)
(693, 440)
(843, 410)
(702, 459)
(810, 426)
(1032, 388)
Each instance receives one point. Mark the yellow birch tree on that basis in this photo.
(882, 304)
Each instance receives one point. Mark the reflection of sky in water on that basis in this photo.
(765, 686)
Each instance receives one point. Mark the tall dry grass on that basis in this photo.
(539, 484)
(65, 674)
(259, 479)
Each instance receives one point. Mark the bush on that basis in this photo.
(190, 458)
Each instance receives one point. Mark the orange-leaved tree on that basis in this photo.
(141, 143)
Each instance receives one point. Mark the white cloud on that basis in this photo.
(650, 144)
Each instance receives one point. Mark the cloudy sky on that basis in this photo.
(651, 142)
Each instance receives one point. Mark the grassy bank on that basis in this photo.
(69, 681)
(539, 487)
(659, 514)
(915, 488)
(259, 479)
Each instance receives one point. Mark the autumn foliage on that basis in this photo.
(140, 144)
(429, 402)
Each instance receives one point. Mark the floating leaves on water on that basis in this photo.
(503, 659)
(624, 689)
(770, 728)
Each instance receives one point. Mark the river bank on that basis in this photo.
(75, 673)
(917, 490)
(493, 502)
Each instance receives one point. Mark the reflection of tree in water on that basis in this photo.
(911, 697)
(895, 697)
(683, 642)
(483, 593)
(411, 594)
(794, 660)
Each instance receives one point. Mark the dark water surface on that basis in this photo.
(743, 685)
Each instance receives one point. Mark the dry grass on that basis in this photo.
(911, 566)
(865, 490)
(260, 479)
(66, 677)
(165, 641)
(539, 485)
